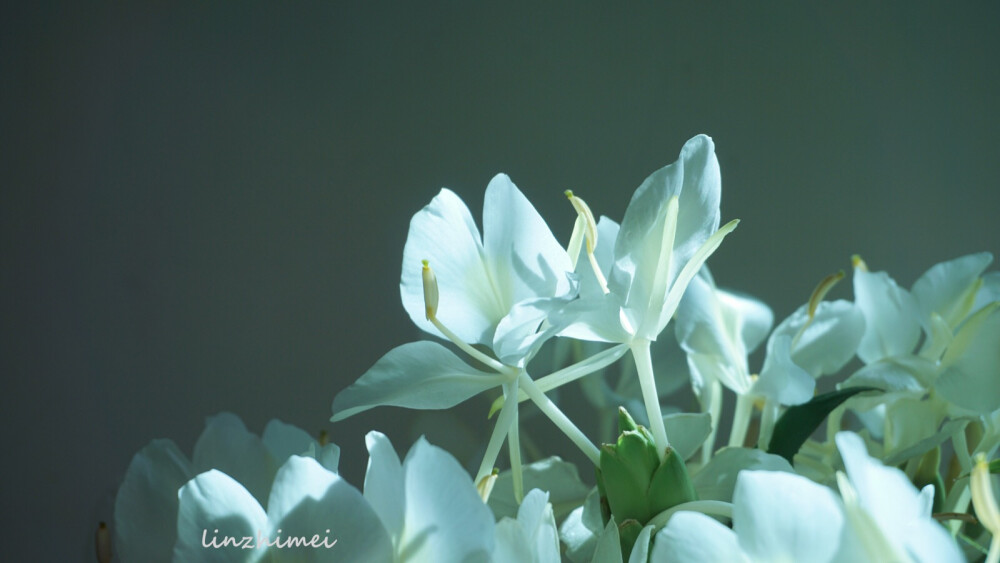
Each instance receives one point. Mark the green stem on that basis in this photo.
(504, 421)
(647, 382)
(558, 418)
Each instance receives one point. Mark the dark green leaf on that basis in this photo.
(799, 422)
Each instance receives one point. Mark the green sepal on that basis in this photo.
(624, 487)
(625, 421)
(628, 533)
(800, 421)
(671, 484)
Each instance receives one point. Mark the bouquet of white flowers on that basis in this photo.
(632, 313)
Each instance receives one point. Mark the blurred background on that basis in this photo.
(203, 207)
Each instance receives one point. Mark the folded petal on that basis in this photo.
(218, 520)
(146, 504)
(781, 379)
(316, 516)
(444, 234)
(226, 445)
(829, 341)
(445, 518)
(692, 536)
(418, 375)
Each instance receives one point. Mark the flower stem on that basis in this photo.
(559, 419)
(741, 420)
(767, 419)
(647, 383)
(571, 373)
(514, 449)
(500, 431)
(712, 405)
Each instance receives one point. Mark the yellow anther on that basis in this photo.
(583, 210)
(485, 485)
(858, 264)
(430, 291)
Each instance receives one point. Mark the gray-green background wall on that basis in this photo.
(204, 205)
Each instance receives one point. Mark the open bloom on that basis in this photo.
(489, 287)
(888, 518)
(146, 504)
(422, 509)
(669, 230)
(492, 290)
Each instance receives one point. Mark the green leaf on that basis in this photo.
(799, 422)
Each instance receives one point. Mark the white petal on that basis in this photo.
(988, 292)
(444, 234)
(607, 234)
(511, 544)
(226, 445)
(753, 317)
(781, 379)
(829, 341)
(945, 288)
(212, 508)
(580, 540)
(538, 522)
(692, 536)
(523, 257)
(785, 517)
(445, 518)
(146, 504)
(417, 375)
(317, 507)
(384, 483)
(884, 492)
(900, 373)
(518, 336)
(892, 325)
(596, 318)
(696, 180)
(971, 365)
